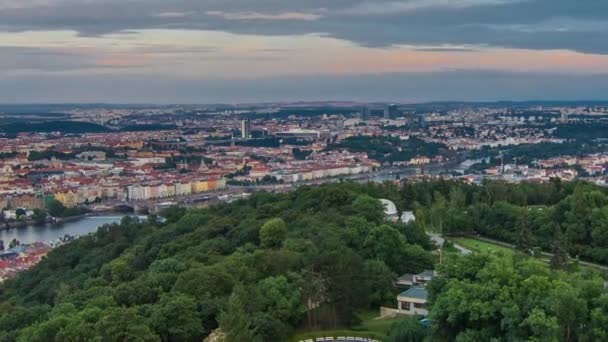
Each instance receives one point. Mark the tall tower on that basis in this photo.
(246, 128)
(365, 113)
(390, 112)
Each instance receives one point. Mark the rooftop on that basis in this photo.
(415, 292)
(427, 274)
(389, 207)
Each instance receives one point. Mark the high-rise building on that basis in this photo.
(246, 128)
(390, 112)
(411, 117)
(365, 113)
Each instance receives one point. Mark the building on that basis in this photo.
(67, 197)
(407, 217)
(419, 279)
(135, 192)
(201, 185)
(365, 113)
(413, 302)
(390, 210)
(390, 112)
(92, 155)
(420, 161)
(259, 171)
(28, 201)
(246, 128)
(14, 214)
(183, 188)
(299, 133)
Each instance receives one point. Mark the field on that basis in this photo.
(482, 246)
(478, 246)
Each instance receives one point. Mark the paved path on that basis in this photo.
(439, 240)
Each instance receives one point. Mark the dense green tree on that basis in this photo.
(338, 257)
(173, 214)
(599, 226)
(204, 282)
(175, 318)
(406, 330)
(559, 259)
(137, 292)
(273, 233)
(542, 327)
(268, 328)
(598, 330)
(234, 321)
(281, 299)
(369, 208)
(525, 239)
(39, 216)
(56, 208)
(387, 244)
(120, 324)
(511, 299)
(378, 278)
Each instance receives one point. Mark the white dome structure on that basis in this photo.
(390, 209)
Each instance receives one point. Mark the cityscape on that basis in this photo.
(105, 159)
(303, 171)
(96, 159)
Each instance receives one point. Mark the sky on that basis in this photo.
(230, 51)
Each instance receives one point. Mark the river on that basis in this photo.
(50, 232)
(431, 170)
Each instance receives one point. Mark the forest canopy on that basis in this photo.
(258, 268)
(264, 267)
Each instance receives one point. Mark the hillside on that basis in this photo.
(250, 266)
(271, 266)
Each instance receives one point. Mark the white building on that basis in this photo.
(135, 192)
(390, 210)
(407, 217)
(413, 302)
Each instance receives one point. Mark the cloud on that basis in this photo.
(265, 16)
(399, 7)
(554, 25)
(448, 48)
(529, 24)
(174, 14)
(20, 60)
(17, 4)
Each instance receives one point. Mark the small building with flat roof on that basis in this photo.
(413, 302)
(419, 279)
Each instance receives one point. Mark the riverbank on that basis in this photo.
(14, 224)
(49, 220)
(74, 226)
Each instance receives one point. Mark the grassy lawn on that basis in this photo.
(482, 246)
(478, 246)
(369, 327)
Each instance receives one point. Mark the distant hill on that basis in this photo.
(52, 126)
